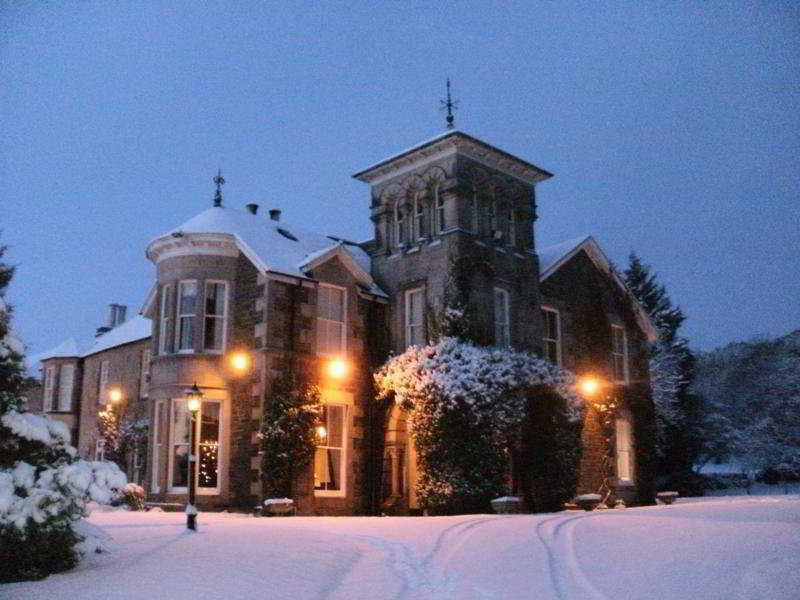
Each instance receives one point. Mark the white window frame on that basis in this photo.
(201, 491)
(102, 383)
(224, 315)
(144, 377)
(623, 446)
(557, 339)
(65, 388)
(179, 316)
(158, 417)
(502, 330)
(166, 313)
(621, 355)
(342, 491)
(49, 388)
(343, 345)
(408, 325)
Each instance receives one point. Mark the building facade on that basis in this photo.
(242, 297)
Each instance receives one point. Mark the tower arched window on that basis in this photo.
(399, 226)
(419, 218)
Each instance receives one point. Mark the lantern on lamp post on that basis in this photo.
(193, 399)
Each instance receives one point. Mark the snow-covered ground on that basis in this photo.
(731, 548)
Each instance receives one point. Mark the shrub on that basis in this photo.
(132, 496)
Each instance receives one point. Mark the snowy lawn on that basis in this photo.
(731, 548)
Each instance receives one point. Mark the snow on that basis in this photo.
(132, 330)
(262, 242)
(712, 549)
(553, 255)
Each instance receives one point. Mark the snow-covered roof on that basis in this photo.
(66, 349)
(554, 257)
(270, 245)
(132, 330)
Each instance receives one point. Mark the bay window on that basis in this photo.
(158, 442)
(208, 429)
(329, 456)
(331, 303)
(66, 382)
(184, 331)
(215, 316)
(164, 339)
(49, 387)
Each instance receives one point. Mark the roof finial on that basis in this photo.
(220, 181)
(450, 105)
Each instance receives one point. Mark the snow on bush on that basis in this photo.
(463, 403)
(44, 489)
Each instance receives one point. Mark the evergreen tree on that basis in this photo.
(288, 433)
(44, 487)
(680, 417)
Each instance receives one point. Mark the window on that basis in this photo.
(102, 384)
(414, 314)
(502, 333)
(208, 428)
(144, 381)
(65, 385)
(551, 340)
(475, 212)
(619, 354)
(214, 326)
(441, 223)
(158, 441)
(329, 457)
(624, 446)
(399, 236)
(49, 387)
(419, 219)
(164, 339)
(330, 319)
(512, 227)
(184, 333)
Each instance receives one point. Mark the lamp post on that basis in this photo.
(193, 399)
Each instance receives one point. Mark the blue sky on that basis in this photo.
(673, 129)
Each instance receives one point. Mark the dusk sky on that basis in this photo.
(673, 129)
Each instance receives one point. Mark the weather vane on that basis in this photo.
(220, 181)
(450, 105)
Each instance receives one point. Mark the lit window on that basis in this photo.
(164, 339)
(207, 439)
(214, 325)
(49, 387)
(502, 333)
(102, 383)
(624, 447)
(144, 379)
(619, 354)
(329, 457)
(415, 311)
(65, 385)
(551, 340)
(330, 319)
(187, 296)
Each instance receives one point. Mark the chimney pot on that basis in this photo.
(253, 208)
(275, 214)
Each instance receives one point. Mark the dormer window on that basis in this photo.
(184, 331)
(331, 302)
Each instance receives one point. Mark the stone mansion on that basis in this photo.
(236, 282)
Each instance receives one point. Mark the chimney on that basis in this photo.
(275, 214)
(253, 208)
(121, 311)
(116, 316)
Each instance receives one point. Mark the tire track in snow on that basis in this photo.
(569, 579)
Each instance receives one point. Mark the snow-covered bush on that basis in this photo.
(132, 496)
(44, 489)
(464, 404)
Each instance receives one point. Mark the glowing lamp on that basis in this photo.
(589, 386)
(240, 361)
(337, 368)
(321, 431)
(115, 395)
(193, 398)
